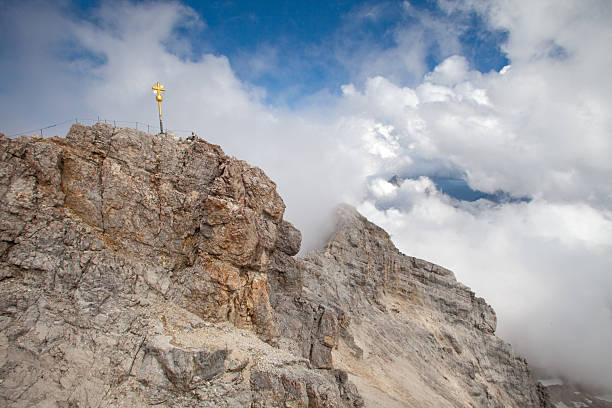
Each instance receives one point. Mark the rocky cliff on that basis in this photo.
(140, 270)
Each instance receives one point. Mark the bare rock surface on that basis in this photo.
(569, 396)
(140, 270)
(134, 273)
(406, 332)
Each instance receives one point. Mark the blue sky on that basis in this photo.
(307, 38)
(311, 45)
(465, 98)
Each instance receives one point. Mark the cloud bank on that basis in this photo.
(539, 127)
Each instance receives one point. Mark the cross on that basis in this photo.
(158, 90)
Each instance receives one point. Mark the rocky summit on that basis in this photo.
(140, 270)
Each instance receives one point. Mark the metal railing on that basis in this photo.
(144, 127)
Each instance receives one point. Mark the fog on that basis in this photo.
(539, 128)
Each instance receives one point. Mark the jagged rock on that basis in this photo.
(415, 336)
(179, 367)
(140, 270)
(290, 239)
(566, 395)
(115, 246)
(296, 388)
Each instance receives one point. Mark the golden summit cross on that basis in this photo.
(158, 90)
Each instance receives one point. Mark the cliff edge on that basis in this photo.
(140, 270)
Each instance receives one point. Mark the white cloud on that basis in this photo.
(382, 188)
(453, 70)
(543, 266)
(540, 129)
(429, 92)
(379, 141)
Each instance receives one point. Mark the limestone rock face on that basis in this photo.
(129, 264)
(140, 270)
(405, 330)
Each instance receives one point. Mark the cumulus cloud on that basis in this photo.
(538, 128)
(543, 266)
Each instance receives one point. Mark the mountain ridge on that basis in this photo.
(149, 270)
